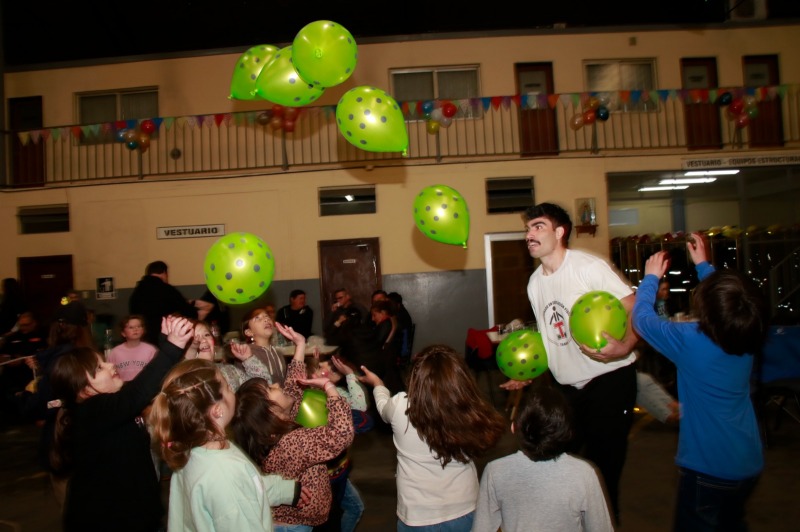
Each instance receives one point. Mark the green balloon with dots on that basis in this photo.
(594, 313)
(521, 355)
(239, 268)
(370, 119)
(441, 213)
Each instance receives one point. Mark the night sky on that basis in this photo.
(47, 31)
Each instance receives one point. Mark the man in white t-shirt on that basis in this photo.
(600, 384)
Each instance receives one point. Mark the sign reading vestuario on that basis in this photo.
(190, 231)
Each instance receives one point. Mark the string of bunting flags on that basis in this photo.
(423, 109)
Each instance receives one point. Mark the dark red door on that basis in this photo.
(701, 117)
(27, 161)
(537, 125)
(45, 280)
(354, 265)
(766, 128)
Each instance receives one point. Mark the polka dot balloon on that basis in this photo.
(442, 215)
(247, 70)
(595, 312)
(239, 268)
(280, 83)
(325, 53)
(370, 119)
(521, 355)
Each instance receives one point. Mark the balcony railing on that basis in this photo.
(497, 128)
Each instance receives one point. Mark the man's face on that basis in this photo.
(26, 325)
(542, 238)
(298, 302)
(343, 298)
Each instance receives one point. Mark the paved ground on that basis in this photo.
(648, 484)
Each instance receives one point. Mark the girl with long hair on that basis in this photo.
(258, 329)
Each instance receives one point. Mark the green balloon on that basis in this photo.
(325, 53)
(370, 119)
(442, 215)
(247, 70)
(280, 83)
(239, 268)
(521, 355)
(313, 410)
(594, 313)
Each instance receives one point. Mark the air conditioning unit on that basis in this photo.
(743, 10)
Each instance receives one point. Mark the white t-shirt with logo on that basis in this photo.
(552, 297)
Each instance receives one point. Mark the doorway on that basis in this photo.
(508, 268)
(45, 280)
(352, 264)
(27, 160)
(766, 127)
(537, 121)
(702, 117)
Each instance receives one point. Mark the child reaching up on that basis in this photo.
(131, 356)
(101, 443)
(214, 487)
(265, 428)
(566, 489)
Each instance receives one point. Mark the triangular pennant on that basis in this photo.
(782, 90)
(712, 95)
(472, 103)
(750, 91)
(132, 124)
(168, 122)
(35, 136)
(517, 100)
(95, 129)
(416, 109)
(65, 131)
(576, 99)
(764, 93)
(56, 133)
(238, 118)
(552, 100)
(584, 99)
(46, 134)
(625, 96)
(24, 137)
(636, 95)
(219, 118)
(157, 122)
(120, 124)
(76, 131)
(486, 102)
(505, 101)
(107, 128)
(404, 108)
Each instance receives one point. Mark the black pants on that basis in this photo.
(603, 415)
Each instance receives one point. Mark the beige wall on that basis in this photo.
(201, 84)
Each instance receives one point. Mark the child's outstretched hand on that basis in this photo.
(315, 382)
(696, 245)
(291, 334)
(370, 378)
(657, 264)
(341, 367)
(179, 331)
(241, 351)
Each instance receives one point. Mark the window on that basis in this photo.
(509, 194)
(608, 77)
(438, 83)
(43, 219)
(110, 106)
(337, 201)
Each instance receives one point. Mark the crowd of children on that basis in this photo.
(227, 424)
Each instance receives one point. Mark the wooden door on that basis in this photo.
(45, 280)
(510, 266)
(27, 161)
(537, 126)
(701, 118)
(766, 129)
(352, 264)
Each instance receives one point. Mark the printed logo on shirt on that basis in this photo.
(556, 319)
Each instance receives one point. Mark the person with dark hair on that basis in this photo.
(153, 297)
(296, 314)
(12, 305)
(600, 384)
(345, 315)
(567, 492)
(720, 455)
(440, 425)
(214, 486)
(264, 426)
(17, 373)
(214, 312)
(101, 444)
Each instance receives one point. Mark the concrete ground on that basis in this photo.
(647, 491)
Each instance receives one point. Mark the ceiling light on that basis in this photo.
(349, 197)
(655, 189)
(690, 181)
(711, 172)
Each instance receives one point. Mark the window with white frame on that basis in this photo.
(438, 83)
(110, 106)
(609, 76)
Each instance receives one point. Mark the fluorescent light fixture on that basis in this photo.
(349, 197)
(690, 181)
(711, 172)
(677, 290)
(654, 189)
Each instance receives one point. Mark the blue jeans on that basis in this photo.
(459, 524)
(707, 503)
(293, 528)
(352, 507)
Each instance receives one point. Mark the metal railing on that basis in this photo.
(498, 128)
